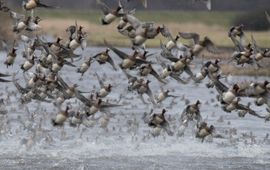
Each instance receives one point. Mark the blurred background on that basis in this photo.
(178, 15)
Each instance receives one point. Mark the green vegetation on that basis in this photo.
(209, 18)
(214, 24)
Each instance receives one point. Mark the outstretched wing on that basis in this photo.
(194, 36)
(120, 53)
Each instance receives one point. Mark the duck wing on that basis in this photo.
(177, 78)
(5, 81)
(84, 100)
(44, 5)
(101, 84)
(210, 46)
(110, 60)
(19, 87)
(250, 111)
(166, 33)
(133, 21)
(62, 82)
(119, 53)
(104, 7)
(194, 36)
(188, 71)
(4, 75)
(155, 74)
(255, 46)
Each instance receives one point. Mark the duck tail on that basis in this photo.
(103, 22)
(54, 123)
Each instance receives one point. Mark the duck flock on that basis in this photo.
(44, 61)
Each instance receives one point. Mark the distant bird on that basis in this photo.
(267, 16)
(208, 3)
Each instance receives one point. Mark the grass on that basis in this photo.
(209, 18)
(247, 71)
(213, 24)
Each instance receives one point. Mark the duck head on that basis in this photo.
(58, 40)
(236, 88)
(198, 102)
(163, 111)
(177, 37)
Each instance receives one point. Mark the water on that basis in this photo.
(126, 143)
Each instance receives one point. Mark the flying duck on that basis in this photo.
(128, 61)
(110, 14)
(104, 89)
(145, 89)
(204, 131)
(258, 53)
(159, 120)
(104, 57)
(61, 117)
(163, 95)
(85, 66)
(199, 45)
(146, 69)
(192, 112)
